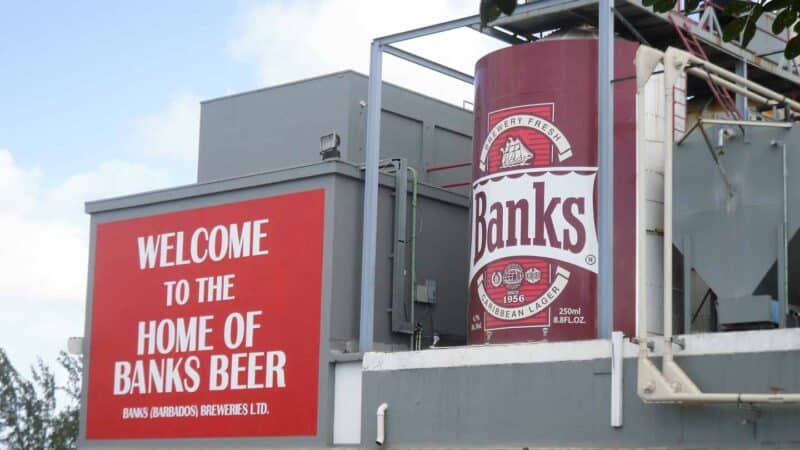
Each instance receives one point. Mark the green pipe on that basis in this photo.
(413, 172)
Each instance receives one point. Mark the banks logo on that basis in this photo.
(532, 218)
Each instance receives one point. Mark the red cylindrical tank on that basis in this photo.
(533, 259)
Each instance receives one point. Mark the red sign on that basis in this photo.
(206, 322)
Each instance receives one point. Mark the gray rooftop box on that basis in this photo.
(280, 127)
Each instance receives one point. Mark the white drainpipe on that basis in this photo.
(380, 435)
(671, 384)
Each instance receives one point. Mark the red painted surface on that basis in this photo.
(540, 101)
(276, 282)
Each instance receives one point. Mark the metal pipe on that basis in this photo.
(716, 159)
(671, 73)
(427, 63)
(703, 398)
(428, 30)
(687, 284)
(782, 284)
(370, 222)
(731, 86)
(641, 204)
(399, 311)
(380, 434)
(605, 141)
(413, 172)
(617, 355)
(784, 246)
(747, 123)
(737, 79)
(741, 99)
(631, 28)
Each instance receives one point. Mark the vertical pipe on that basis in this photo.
(687, 285)
(412, 319)
(641, 214)
(782, 301)
(741, 100)
(380, 426)
(617, 355)
(605, 141)
(400, 317)
(370, 223)
(783, 269)
(672, 70)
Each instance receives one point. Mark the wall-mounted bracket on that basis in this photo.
(679, 341)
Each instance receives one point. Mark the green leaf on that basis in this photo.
(775, 5)
(663, 5)
(506, 6)
(734, 28)
(737, 7)
(690, 5)
(792, 48)
(489, 12)
(750, 27)
(785, 19)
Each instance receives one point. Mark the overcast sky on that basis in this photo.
(99, 99)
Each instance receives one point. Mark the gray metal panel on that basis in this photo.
(734, 238)
(401, 137)
(280, 127)
(443, 257)
(452, 147)
(750, 309)
(566, 405)
(271, 128)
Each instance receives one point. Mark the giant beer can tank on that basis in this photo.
(534, 249)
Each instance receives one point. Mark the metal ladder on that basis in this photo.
(694, 47)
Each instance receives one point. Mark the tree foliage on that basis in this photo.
(742, 14)
(29, 416)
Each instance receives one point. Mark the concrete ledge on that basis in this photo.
(322, 168)
(485, 355)
(543, 352)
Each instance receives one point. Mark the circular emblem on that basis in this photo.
(513, 276)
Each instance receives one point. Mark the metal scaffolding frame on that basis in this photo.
(496, 30)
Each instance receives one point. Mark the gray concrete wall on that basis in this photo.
(567, 403)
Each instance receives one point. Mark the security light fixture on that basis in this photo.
(329, 146)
